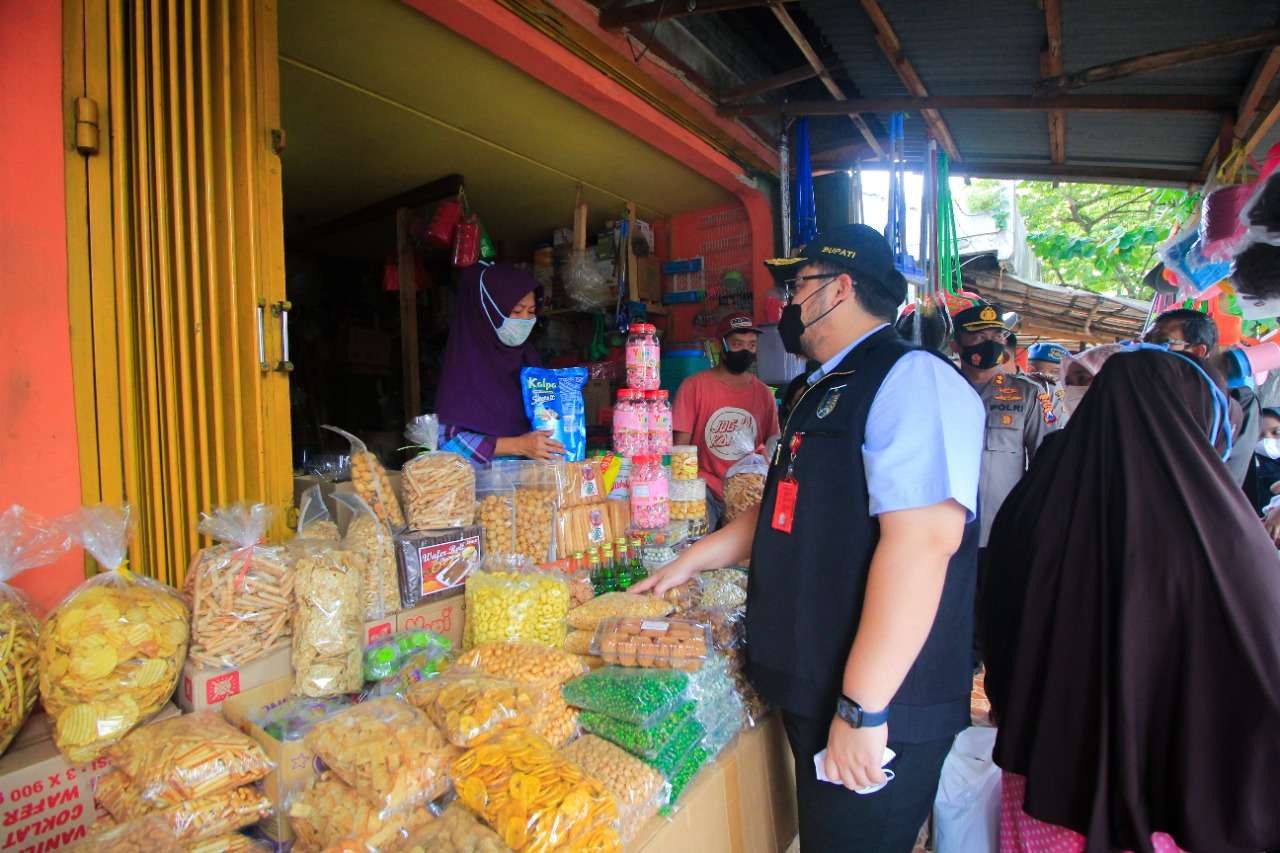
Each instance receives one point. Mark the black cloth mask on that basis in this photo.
(791, 324)
(983, 356)
(738, 361)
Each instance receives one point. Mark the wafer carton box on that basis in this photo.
(205, 688)
(48, 802)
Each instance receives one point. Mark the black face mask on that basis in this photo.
(983, 356)
(791, 324)
(738, 361)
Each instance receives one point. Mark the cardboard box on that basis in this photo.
(379, 628)
(443, 614)
(647, 286)
(295, 765)
(203, 688)
(48, 803)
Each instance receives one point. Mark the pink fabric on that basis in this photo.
(1021, 833)
(720, 418)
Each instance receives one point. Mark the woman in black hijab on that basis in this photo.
(1134, 615)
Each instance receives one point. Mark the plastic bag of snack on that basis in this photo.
(457, 830)
(314, 520)
(723, 588)
(662, 642)
(579, 483)
(684, 597)
(578, 642)
(638, 789)
(291, 720)
(531, 663)
(582, 528)
(556, 720)
(439, 487)
(673, 753)
(509, 602)
(371, 482)
(232, 842)
(183, 758)
(122, 800)
(639, 696)
(328, 633)
(684, 774)
(330, 813)
(470, 706)
(112, 651)
(642, 741)
(178, 825)
(496, 510)
(240, 589)
(533, 798)
(387, 750)
(744, 484)
(26, 541)
(553, 403)
(727, 627)
(385, 657)
(535, 497)
(589, 616)
(372, 541)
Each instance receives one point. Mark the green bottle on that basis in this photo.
(637, 565)
(609, 569)
(598, 581)
(623, 571)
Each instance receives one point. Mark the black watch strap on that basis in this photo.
(857, 716)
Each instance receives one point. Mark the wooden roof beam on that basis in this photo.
(622, 17)
(768, 84)
(1263, 74)
(1079, 172)
(811, 56)
(1160, 60)
(1051, 66)
(999, 103)
(891, 46)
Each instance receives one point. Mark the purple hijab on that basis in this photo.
(480, 385)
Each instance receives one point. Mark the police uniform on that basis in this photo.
(1051, 382)
(882, 426)
(1020, 413)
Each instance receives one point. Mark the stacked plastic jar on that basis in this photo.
(643, 357)
(659, 426)
(630, 423)
(649, 492)
(684, 462)
(688, 500)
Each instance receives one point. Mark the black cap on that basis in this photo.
(859, 248)
(979, 316)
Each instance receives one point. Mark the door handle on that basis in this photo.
(281, 309)
(262, 336)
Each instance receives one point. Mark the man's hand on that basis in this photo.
(854, 755)
(671, 575)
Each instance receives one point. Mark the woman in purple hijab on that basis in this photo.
(479, 403)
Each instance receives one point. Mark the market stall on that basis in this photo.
(442, 655)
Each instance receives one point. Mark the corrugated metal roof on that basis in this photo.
(959, 47)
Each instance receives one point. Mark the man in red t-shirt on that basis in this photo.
(726, 411)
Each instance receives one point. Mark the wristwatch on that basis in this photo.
(857, 716)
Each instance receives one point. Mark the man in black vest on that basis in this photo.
(860, 605)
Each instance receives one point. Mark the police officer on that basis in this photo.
(863, 553)
(1044, 361)
(1019, 414)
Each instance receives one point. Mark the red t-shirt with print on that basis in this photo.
(721, 420)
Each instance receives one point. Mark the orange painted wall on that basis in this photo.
(38, 461)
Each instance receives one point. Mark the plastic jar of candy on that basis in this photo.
(649, 492)
(684, 462)
(643, 357)
(659, 422)
(630, 427)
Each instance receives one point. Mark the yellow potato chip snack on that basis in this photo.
(331, 814)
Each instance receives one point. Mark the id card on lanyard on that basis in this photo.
(784, 496)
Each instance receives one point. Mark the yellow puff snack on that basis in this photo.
(516, 606)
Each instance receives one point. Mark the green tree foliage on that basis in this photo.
(1098, 237)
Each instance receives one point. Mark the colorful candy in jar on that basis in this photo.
(643, 356)
(630, 430)
(649, 493)
(659, 426)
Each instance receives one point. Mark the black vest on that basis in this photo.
(805, 596)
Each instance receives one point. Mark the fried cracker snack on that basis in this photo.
(534, 799)
(386, 749)
(470, 706)
(314, 521)
(372, 541)
(457, 831)
(371, 481)
(528, 662)
(330, 813)
(26, 541)
(328, 629)
(240, 589)
(175, 827)
(186, 757)
(112, 651)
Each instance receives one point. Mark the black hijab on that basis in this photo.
(1132, 605)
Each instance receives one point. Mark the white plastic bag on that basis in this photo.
(966, 811)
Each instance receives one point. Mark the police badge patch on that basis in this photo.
(829, 401)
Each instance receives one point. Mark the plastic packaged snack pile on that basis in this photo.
(240, 590)
(534, 799)
(112, 651)
(371, 482)
(329, 623)
(639, 696)
(515, 606)
(638, 789)
(439, 487)
(331, 814)
(456, 831)
(540, 667)
(589, 616)
(26, 541)
(470, 706)
(369, 538)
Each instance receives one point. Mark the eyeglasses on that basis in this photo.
(789, 284)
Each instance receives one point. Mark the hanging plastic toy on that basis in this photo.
(806, 206)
